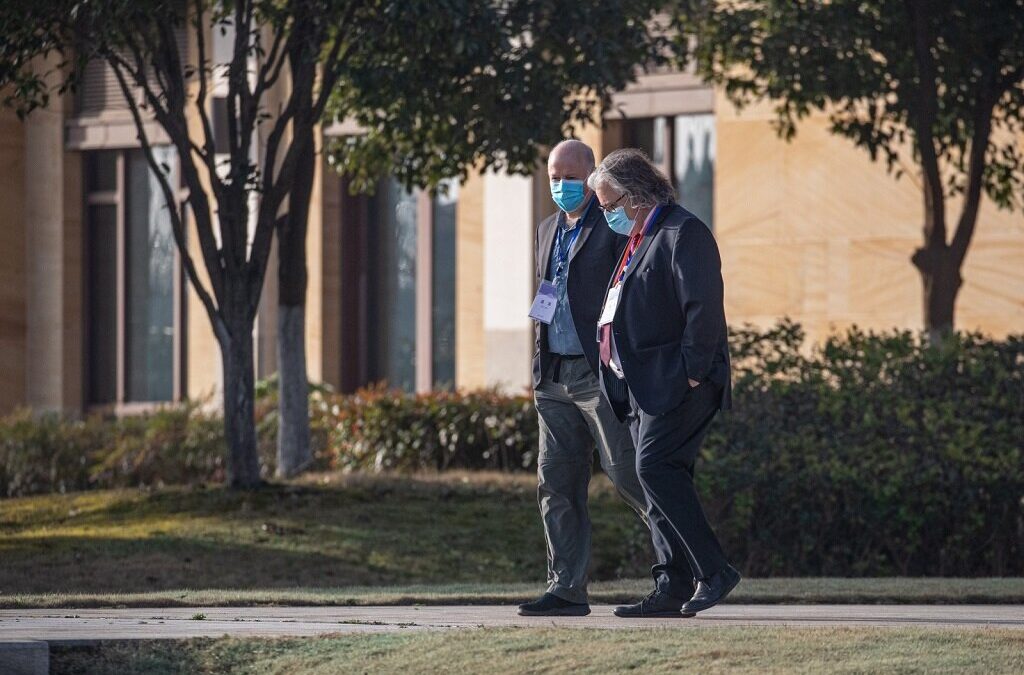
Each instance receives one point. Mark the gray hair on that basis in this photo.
(630, 172)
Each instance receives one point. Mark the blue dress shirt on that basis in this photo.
(562, 337)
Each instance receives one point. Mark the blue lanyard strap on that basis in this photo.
(562, 254)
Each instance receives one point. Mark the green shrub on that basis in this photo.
(172, 445)
(876, 454)
(47, 454)
(378, 429)
(872, 454)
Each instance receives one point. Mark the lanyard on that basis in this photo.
(631, 248)
(560, 254)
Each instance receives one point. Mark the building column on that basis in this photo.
(424, 292)
(508, 280)
(45, 244)
(470, 348)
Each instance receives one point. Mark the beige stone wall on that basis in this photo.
(813, 230)
(470, 341)
(315, 266)
(202, 353)
(12, 262)
(330, 274)
(203, 366)
(49, 307)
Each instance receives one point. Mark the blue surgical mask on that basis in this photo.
(619, 221)
(568, 194)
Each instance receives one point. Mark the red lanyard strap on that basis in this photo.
(634, 244)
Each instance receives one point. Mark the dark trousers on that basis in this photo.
(666, 450)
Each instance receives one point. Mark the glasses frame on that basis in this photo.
(611, 207)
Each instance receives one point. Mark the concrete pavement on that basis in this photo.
(73, 626)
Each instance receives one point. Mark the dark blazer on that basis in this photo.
(669, 325)
(596, 251)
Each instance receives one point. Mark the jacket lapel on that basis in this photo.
(588, 225)
(546, 236)
(641, 251)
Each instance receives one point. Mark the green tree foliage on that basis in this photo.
(437, 86)
(933, 87)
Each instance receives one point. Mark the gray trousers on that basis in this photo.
(574, 417)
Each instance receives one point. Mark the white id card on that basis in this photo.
(543, 308)
(611, 303)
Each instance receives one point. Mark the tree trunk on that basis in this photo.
(940, 276)
(243, 470)
(293, 448)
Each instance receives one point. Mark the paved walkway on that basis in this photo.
(76, 625)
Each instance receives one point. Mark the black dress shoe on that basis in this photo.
(655, 605)
(552, 605)
(713, 590)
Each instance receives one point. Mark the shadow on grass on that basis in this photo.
(364, 532)
(77, 564)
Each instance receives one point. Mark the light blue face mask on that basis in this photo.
(568, 194)
(619, 221)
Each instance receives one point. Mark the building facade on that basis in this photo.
(433, 292)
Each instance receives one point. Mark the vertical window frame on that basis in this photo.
(118, 198)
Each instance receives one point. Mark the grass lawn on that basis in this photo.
(539, 650)
(353, 540)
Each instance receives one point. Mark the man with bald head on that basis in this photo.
(575, 256)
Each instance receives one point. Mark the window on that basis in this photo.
(684, 147)
(694, 164)
(443, 288)
(398, 260)
(133, 281)
(391, 343)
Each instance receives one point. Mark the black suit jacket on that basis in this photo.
(591, 259)
(669, 325)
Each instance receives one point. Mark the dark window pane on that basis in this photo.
(150, 282)
(443, 292)
(695, 164)
(101, 290)
(391, 307)
(220, 125)
(101, 171)
(642, 133)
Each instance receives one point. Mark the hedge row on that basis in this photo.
(873, 454)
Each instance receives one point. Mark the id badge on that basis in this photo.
(543, 308)
(611, 303)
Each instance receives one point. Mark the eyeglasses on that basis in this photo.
(608, 208)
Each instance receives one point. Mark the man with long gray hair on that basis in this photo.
(665, 366)
(575, 254)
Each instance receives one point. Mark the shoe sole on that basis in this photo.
(724, 595)
(556, 612)
(658, 615)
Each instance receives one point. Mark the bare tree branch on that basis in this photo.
(176, 128)
(924, 123)
(171, 200)
(975, 173)
(274, 63)
(209, 144)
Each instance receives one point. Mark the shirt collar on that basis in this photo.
(563, 221)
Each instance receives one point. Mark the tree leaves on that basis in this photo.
(438, 88)
(855, 61)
